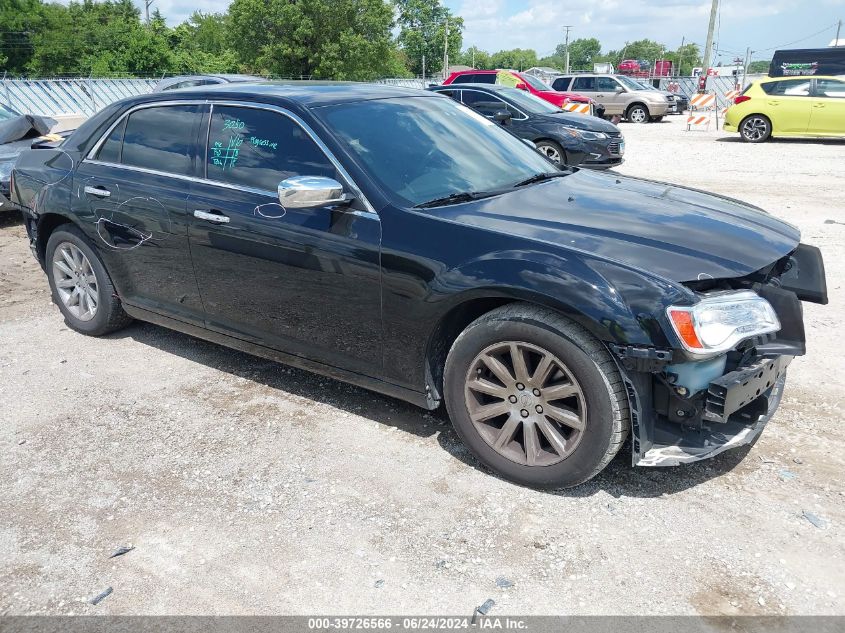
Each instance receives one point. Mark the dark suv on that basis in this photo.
(398, 240)
(563, 137)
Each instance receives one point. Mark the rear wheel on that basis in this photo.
(80, 285)
(553, 151)
(535, 397)
(637, 113)
(755, 129)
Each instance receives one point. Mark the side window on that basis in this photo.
(454, 94)
(561, 84)
(110, 150)
(587, 84)
(161, 138)
(259, 148)
(606, 84)
(830, 88)
(464, 79)
(787, 88)
(476, 78)
(485, 104)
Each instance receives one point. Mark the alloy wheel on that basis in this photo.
(525, 403)
(754, 128)
(550, 152)
(76, 283)
(638, 115)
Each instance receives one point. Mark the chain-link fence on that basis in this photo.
(84, 95)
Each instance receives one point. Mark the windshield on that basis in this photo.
(535, 83)
(630, 83)
(528, 102)
(424, 148)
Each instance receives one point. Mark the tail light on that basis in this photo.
(741, 99)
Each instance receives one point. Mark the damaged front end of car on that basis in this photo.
(722, 381)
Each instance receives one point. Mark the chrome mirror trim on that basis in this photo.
(302, 192)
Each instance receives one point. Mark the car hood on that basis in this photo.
(677, 233)
(579, 121)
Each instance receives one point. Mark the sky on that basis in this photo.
(493, 25)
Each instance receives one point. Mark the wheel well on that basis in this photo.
(636, 103)
(448, 329)
(47, 223)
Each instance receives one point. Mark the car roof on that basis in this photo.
(309, 94)
(766, 80)
(481, 86)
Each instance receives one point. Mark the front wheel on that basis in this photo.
(638, 113)
(80, 285)
(755, 129)
(553, 151)
(535, 397)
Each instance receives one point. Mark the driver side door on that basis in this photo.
(305, 281)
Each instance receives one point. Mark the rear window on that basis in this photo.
(830, 88)
(787, 88)
(475, 78)
(561, 83)
(161, 138)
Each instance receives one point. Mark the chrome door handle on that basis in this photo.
(97, 191)
(219, 218)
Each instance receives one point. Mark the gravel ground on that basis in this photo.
(250, 487)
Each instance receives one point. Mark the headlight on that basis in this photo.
(587, 135)
(717, 323)
(6, 169)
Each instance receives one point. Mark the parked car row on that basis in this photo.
(399, 240)
(563, 137)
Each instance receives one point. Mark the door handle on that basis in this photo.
(211, 216)
(100, 192)
(818, 105)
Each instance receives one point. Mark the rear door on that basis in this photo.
(788, 105)
(827, 115)
(132, 190)
(304, 281)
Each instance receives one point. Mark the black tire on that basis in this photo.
(755, 128)
(588, 362)
(549, 149)
(109, 315)
(637, 113)
(656, 119)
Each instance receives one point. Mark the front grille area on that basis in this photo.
(614, 134)
(613, 148)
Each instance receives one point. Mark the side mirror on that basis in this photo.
(521, 86)
(502, 116)
(302, 192)
(619, 89)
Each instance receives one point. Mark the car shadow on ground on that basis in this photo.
(10, 218)
(735, 138)
(619, 479)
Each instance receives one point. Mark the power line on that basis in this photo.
(803, 39)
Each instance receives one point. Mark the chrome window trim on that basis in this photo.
(89, 158)
(491, 94)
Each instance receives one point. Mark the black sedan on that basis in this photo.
(564, 137)
(397, 240)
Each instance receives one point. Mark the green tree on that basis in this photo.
(582, 53)
(759, 66)
(641, 49)
(516, 59)
(552, 61)
(685, 58)
(339, 39)
(422, 31)
(19, 20)
(474, 57)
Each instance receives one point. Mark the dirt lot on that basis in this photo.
(249, 487)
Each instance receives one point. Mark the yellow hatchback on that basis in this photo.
(789, 106)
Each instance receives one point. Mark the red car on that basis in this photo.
(521, 81)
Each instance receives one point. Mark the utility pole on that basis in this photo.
(745, 66)
(566, 62)
(838, 28)
(708, 45)
(446, 50)
(680, 56)
(423, 69)
(147, 4)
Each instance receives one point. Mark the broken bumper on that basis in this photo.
(693, 445)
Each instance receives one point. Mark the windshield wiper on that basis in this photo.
(454, 198)
(548, 175)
